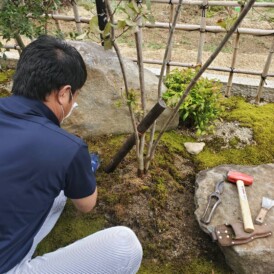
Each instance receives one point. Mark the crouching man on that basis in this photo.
(41, 165)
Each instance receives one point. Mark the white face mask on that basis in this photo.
(75, 105)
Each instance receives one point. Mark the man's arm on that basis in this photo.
(86, 204)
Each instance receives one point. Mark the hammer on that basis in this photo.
(241, 181)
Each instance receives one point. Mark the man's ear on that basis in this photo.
(64, 94)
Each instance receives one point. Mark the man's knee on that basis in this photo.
(129, 245)
(128, 238)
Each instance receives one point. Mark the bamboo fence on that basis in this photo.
(202, 29)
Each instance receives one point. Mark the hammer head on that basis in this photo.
(234, 176)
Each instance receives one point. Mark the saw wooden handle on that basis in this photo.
(245, 209)
(260, 218)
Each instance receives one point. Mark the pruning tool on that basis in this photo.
(214, 199)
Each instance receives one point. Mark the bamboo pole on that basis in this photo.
(265, 72)
(168, 48)
(57, 23)
(171, 16)
(202, 33)
(233, 63)
(11, 47)
(188, 65)
(185, 27)
(211, 29)
(216, 3)
(77, 17)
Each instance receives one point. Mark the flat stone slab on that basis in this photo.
(253, 257)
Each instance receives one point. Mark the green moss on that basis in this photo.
(150, 249)
(175, 142)
(6, 75)
(161, 190)
(109, 197)
(145, 188)
(199, 266)
(4, 92)
(107, 146)
(260, 120)
(234, 142)
(202, 266)
(71, 227)
(149, 267)
(216, 144)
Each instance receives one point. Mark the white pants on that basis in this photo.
(113, 250)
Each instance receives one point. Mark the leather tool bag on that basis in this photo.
(234, 234)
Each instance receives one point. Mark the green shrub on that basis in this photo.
(202, 105)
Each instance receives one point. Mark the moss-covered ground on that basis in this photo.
(260, 119)
(159, 207)
(5, 77)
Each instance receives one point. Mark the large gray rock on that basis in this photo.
(98, 112)
(253, 257)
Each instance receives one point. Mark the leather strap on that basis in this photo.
(234, 234)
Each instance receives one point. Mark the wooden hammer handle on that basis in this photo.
(245, 209)
(260, 218)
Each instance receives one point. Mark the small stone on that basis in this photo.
(194, 148)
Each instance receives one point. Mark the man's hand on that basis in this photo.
(95, 161)
(86, 204)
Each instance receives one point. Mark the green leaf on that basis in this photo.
(81, 36)
(121, 24)
(185, 116)
(130, 23)
(107, 30)
(130, 12)
(151, 19)
(93, 25)
(133, 5)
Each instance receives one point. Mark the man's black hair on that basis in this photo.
(47, 64)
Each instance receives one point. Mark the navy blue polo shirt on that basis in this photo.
(38, 159)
